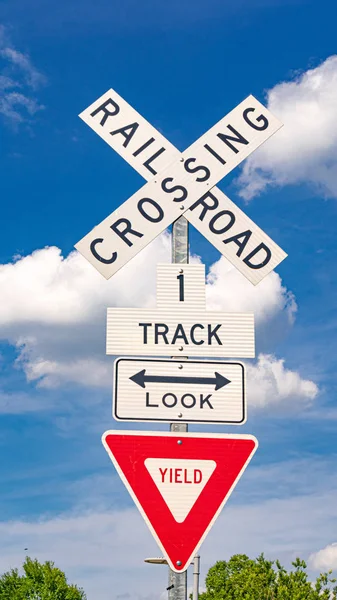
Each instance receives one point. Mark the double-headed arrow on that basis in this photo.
(141, 379)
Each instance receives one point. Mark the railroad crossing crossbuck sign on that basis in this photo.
(180, 184)
(180, 481)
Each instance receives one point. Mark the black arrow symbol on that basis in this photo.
(141, 379)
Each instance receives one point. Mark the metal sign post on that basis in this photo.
(177, 584)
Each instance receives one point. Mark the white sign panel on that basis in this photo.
(118, 238)
(185, 332)
(228, 228)
(180, 325)
(181, 285)
(171, 390)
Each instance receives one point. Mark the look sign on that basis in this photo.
(180, 184)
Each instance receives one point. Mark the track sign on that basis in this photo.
(180, 325)
(146, 331)
(194, 391)
(179, 186)
(227, 227)
(180, 482)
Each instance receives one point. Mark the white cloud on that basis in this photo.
(11, 103)
(325, 559)
(228, 290)
(52, 373)
(269, 382)
(17, 72)
(46, 288)
(53, 310)
(305, 149)
(7, 83)
(32, 76)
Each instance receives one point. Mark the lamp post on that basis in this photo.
(196, 572)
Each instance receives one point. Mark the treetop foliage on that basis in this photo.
(242, 578)
(38, 582)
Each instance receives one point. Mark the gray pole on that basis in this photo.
(180, 241)
(178, 581)
(196, 573)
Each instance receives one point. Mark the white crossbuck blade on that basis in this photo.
(180, 183)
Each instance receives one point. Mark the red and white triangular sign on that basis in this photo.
(179, 481)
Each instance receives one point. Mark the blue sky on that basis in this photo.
(183, 66)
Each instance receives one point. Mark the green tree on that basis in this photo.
(38, 582)
(242, 578)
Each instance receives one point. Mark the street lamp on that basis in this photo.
(196, 572)
(156, 561)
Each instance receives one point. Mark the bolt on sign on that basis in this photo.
(180, 482)
(180, 324)
(180, 184)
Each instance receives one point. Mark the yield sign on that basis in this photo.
(179, 482)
